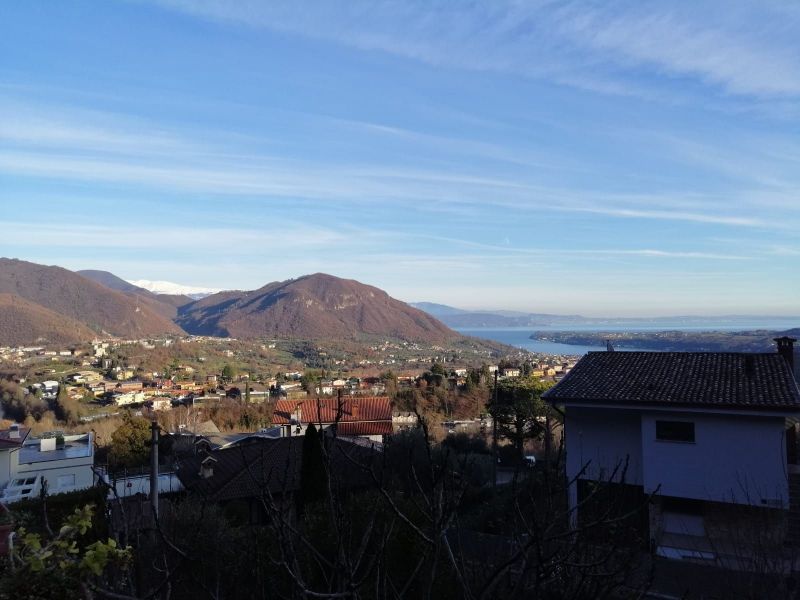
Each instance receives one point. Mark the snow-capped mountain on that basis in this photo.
(168, 287)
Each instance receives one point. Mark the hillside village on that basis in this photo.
(105, 374)
(510, 420)
(255, 429)
(384, 300)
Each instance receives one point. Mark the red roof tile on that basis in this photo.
(373, 428)
(325, 410)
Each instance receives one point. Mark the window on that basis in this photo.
(66, 481)
(21, 482)
(675, 431)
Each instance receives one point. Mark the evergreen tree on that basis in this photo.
(130, 443)
(313, 482)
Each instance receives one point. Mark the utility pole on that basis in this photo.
(494, 431)
(154, 467)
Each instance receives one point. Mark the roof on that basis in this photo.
(206, 427)
(702, 379)
(368, 428)
(269, 466)
(75, 446)
(6, 441)
(324, 410)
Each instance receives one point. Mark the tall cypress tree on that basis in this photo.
(313, 482)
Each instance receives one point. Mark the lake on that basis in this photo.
(520, 336)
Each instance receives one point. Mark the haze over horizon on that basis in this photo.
(583, 158)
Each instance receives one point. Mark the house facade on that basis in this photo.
(693, 435)
(62, 462)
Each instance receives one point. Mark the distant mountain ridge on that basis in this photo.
(164, 304)
(173, 289)
(41, 303)
(497, 319)
(315, 306)
(98, 308)
(457, 317)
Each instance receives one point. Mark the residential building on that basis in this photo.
(711, 436)
(162, 403)
(50, 389)
(402, 420)
(63, 462)
(128, 398)
(259, 469)
(359, 416)
(128, 386)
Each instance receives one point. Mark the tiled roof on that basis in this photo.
(364, 428)
(324, 410)
(269, 466)
(707, 379)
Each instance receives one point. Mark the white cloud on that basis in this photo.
(750, 48)
(220, 241)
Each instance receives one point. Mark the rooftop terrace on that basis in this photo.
(75, 446)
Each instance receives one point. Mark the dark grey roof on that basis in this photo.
(707, 379)
(262, 465)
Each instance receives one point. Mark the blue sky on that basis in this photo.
(604, 158)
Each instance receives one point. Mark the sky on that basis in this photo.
(602, 158)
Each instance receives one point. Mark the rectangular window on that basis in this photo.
(675, 431)
(66, 481)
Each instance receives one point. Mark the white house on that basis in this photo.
(121, 399)
(64, 462)
(510, 372)
(50, 389)
(325, 388)
(704, 432)
(162, 403)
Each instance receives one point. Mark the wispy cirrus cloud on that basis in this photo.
(61, 142)
(749, 49)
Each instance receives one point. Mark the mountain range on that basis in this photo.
(173, 289)
(50, 304)
(498, 319)
(457, 317)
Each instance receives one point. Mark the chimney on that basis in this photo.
(207, 467)
(786, 350)
(13, 431)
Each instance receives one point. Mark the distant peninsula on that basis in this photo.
(674, 341)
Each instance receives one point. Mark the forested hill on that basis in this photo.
(84, 305)
(315, 306)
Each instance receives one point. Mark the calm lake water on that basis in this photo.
(520, 336)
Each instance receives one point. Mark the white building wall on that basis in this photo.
(603, 439)
(739, 459)
(64, 475)
(7, 459)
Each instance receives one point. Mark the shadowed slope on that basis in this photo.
(315, 306)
